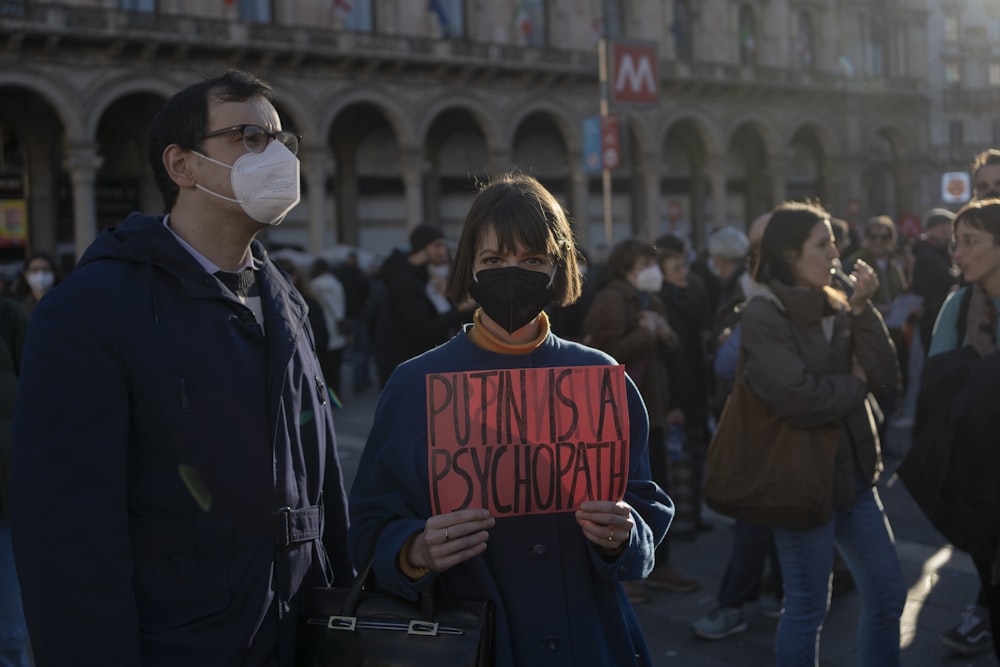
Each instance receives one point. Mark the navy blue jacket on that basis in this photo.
(158, 433)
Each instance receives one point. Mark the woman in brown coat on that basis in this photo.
(813, 355)
(627, 321)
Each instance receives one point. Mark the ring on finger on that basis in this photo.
(611, 537)
(446, 538)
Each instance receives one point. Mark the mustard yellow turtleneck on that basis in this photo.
(482, 337)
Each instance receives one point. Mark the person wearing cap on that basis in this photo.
(932, 276)
(727, 257)
(413, 323)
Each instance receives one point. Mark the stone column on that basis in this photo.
(346, 230)
(716, 175)
(778, 172)
(315, 173)
(413, 183)
(82, 162)
(651, 183)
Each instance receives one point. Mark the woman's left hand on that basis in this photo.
(606, 523)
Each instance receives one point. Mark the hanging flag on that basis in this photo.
(598, 27)
(434, 7)
(747, 40)
(523, 20)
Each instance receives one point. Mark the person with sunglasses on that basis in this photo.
(176, 482)
(878, 250)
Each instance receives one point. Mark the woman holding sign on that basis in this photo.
(511, 464)
(812, 355)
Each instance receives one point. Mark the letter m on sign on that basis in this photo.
(633, 73)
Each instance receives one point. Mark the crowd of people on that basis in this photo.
(170, 479)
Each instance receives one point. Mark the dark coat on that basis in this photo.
(558, 602)
(410, 324)
(798, 354)
(157, 435)
(612, 325)
(932, 280)
(13, 328)
(952, 469)
(687, 363)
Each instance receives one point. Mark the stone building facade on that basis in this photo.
(405, 104)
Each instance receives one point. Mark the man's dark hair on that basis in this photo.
(184, 117)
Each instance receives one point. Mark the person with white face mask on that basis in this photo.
(174, 433)
(36, 279)
(627, 321)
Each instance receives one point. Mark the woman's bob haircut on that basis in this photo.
(522, 213)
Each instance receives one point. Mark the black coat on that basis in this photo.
(953, 467)
(160, 439)
(932, 280)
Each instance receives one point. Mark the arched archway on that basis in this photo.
(805, 177)
(684, 187)
(748, 192)
(368, 187)
(37, 210)
(456, 148)
(539, 149)
(124, 179)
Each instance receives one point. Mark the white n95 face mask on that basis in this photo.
(266, 184)
(649, 279)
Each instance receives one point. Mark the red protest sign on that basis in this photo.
(527, 440)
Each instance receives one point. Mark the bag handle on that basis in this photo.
(366, 581)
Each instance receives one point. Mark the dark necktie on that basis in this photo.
(239, 283)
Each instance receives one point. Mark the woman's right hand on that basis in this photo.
(450, 539)
(865, 285)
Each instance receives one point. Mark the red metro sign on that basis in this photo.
(633, 73)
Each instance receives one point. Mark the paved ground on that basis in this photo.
(940, 582)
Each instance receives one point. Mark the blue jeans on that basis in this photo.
(13, 631)
(865, 540)
(753, 545)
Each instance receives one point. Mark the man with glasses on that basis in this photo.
(176, 481)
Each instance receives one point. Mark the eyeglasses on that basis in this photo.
(879, 237)
(256, 138)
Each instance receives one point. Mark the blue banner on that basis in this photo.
(592, 162)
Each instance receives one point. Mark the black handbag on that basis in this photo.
(362, 627)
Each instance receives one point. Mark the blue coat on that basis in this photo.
(558, 601)
(157, 433)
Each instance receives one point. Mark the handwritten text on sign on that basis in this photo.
(527, 441)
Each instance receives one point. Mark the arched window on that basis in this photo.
(682, 29)
(804, 42)
(747, 35)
